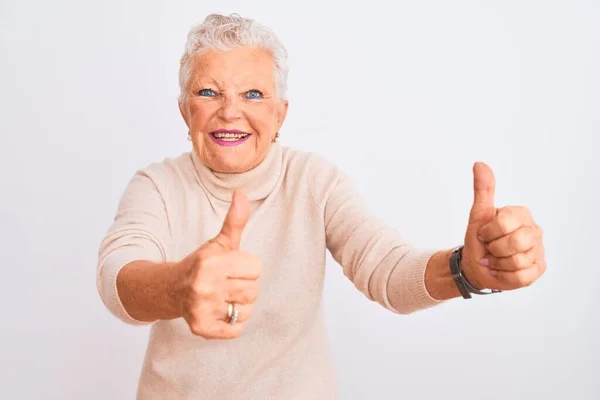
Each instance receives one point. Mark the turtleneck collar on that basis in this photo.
(257, 183)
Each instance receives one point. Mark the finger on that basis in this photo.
(242, 265)
(507, 220)
(512, 263)
(224, 330)
(484, 188)
(503, 224)
(209, 325)
(518, 241)
(521, 212)
(509, 280)
(242, 291)
(245, 311)
(235, 221)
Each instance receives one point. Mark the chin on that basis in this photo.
(231, 166)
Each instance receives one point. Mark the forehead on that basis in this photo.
(242, 66)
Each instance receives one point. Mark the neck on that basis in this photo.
(256, 183)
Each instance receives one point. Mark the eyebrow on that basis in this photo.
(202, 83)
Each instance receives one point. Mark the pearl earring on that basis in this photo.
(189, 137)
(276, 137)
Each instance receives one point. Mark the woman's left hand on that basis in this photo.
(503, 246)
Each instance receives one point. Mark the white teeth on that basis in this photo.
(230, 136)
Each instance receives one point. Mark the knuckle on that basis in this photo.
(197, 328)
(517, 239)
(505, 211)
(513, 262)
(520, 261)
(200, 265)
(242, 293)
(529, 239)
(244, 296)
(503, 220)
(202, 290)
(522, 279)
(250, 295)
(507, 223)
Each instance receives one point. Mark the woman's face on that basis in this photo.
(231, 108)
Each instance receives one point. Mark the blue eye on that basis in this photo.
(254, 94)
(206, 92)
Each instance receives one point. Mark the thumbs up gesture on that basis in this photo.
(503, 246)
(220, 278)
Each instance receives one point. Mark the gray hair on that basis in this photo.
(223, 33)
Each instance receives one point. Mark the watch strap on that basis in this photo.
(464, 286)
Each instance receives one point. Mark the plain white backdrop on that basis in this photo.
(403, 96)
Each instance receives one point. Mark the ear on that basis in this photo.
(184, 113)
(282, 113)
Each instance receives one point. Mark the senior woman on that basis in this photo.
(222, 249)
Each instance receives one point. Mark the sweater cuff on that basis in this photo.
(107, 281)
(407, 292)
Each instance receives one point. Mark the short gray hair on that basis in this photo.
(223, 33)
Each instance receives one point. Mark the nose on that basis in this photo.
(230, 108)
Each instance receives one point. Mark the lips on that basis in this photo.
(229, 134)
(229, 137)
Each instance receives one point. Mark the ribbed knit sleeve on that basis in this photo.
(140, 231)
(379, 261)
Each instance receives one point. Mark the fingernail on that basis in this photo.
(480, 238)
(485, 262)
(493, 272)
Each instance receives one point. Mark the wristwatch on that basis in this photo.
(464, 286)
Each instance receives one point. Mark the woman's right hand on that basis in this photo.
(217, 274)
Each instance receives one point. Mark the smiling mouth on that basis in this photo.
(225, 137)
(229, 136)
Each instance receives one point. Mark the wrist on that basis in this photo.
(438, 279)
(177, 282)
(465, 287)
(468, 273)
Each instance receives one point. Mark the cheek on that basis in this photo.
(262, 116)
(200, 114)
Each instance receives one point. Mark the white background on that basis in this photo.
(403, 96)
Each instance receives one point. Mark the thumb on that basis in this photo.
(235, 220)
(484, 189)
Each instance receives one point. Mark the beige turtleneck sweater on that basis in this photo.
(302, 206)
